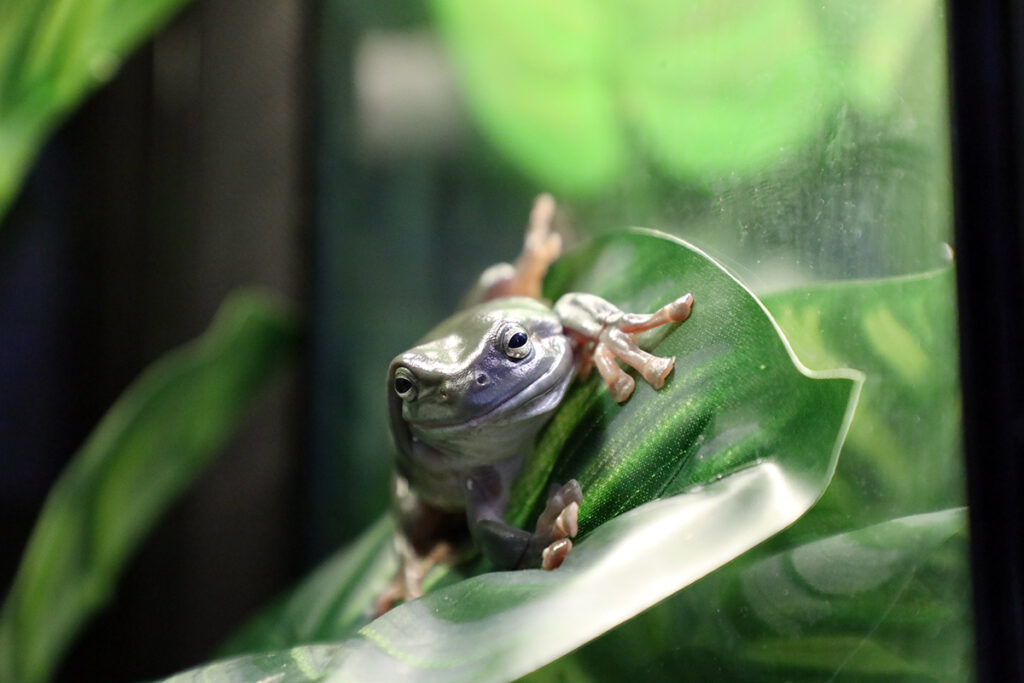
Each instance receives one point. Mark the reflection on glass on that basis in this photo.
(805, 146)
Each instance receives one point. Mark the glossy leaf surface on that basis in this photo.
(152, 443)
(677, 482)
(903, 453)
(888, 602)
(909, 618)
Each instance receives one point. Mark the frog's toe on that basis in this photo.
(566, 524)
(657, 370)
(553, 555)
(569, 492)
(561, 512)
(621, 387)
(679, 310)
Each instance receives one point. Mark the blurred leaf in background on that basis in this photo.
(575, 93)
(154, 442)
(52, 53)
(677, 482)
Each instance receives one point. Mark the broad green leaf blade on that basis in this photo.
(901, 457)
(52, 53)
(332, 603)
(903, 453)
(152, 443)
(737, 398)
(296, 665)
(737, 445)
(849, 607)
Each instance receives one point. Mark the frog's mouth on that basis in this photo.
(539, 398)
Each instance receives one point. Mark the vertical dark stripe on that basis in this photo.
(986, 67)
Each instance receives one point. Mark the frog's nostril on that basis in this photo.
(482, 379)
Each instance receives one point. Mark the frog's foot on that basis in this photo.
(618, 340)
(554, 555)
(541, 248)
(407, 583)
(558, 523)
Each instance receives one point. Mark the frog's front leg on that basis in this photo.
(605, 333)
(510, 547)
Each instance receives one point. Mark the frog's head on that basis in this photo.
(482, 383)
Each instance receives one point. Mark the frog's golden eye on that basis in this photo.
(516, 343)
(405, 385)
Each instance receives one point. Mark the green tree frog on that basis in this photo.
(467, 402)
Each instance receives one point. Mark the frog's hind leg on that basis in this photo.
(407, 582)
(541, 247)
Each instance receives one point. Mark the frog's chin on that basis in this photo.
(538, 400)
(505, 431)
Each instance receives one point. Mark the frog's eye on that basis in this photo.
(516, 343)
(405, 385)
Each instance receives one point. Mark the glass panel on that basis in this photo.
(803, 145)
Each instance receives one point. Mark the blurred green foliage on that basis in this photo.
(577, 92)
(53, 53)
(902, 456)
(881, 603)
(155, 440)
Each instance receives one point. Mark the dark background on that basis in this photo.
(182, 179)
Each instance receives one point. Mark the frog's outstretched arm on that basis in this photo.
(510, 547)
(604, 333)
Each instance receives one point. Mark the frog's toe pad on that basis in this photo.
(566, 524)
(679, 310)
(555, 554)
(658, 370)
(561, 512)
(621, 387)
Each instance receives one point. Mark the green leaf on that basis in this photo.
(738, 444)
(577, 93)
(889, 602)
(153, 442)
(52, 53)
(903, 454)
(332, 602)
(781, 612)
